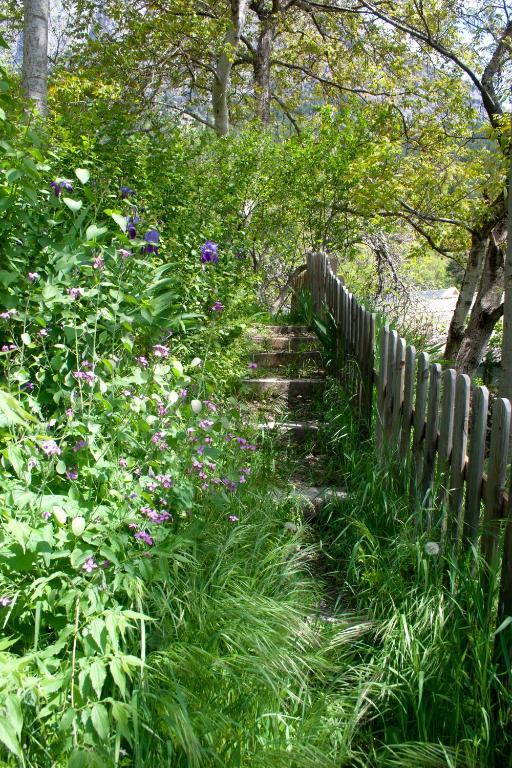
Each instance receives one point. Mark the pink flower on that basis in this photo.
(233, 519)
(145, 537)
(5, 601)
(124, 254)
(33, 277)
(160, 351)
(69, 413)
(142, 361)
(75, 293)
(123, 463)
(90, 565)
(98, 263)
(252, 365)
(51, 448)
(72, 474)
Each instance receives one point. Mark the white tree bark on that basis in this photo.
(506, 349)
(220, 89)
(35, 53)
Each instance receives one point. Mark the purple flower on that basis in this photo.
(75, 293)
(233, 519)
(218, 307)
(123, 463)
(79, 445)
(252, 365)
(32, 462)
(145, 537)
(90, 565)
(98, 263)
(152, 239)
(5, 601)
(7, 315)
(209, 253)
(28, 386)
(43, 333)
(51, 448)
(72, 474)
(183, 393)
(142, 361)
(242, 479)
(86, 376)
(206, 423)
(125, 192)
(211, 406)
(69, 413)
(160, 351)
(58, 186)
(165, 480)
(131, 229)
(33, 277)
(124, 254)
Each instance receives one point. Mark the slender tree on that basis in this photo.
(35, 53)
(506, 351)
(221, 82)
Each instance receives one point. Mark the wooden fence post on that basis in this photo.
(475, 466)
(390, 386)
(458, 460)
(407, 410)
(495, 483)
(431, 430)
(420, 408)
(381, 389)
(398, 393)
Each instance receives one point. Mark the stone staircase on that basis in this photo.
(288, 377)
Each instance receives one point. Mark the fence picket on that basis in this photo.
(475, 466)
(420, 408)
(458, 460)
(431, 430)
(407, 410)
(445, 430)
(390, 388)
(398, 393)
(495, 484)
(381, 389)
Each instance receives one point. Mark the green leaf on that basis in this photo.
(118, 675)
(119, 220)
(82, 174)
(97, 673)
(14, 714)
(11, 410)
(2, 114)
(8, 737)
(73, 205)
(26, 339)
(99, 719)
(93, 232)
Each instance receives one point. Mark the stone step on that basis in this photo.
(286, 343)
(312, 499)
(289, 330)
(298, 430)
(293, 389)
(282, 359)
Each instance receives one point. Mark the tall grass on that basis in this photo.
(433, 696)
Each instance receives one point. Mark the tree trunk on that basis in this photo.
(486, 312)
(262, 65)
(455, 336)
(220, 89)
(506, 348)
(35, 54)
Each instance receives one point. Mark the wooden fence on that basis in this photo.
(430, 422)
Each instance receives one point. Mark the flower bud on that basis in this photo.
(78, 525)
(60, 515)
(196, 405)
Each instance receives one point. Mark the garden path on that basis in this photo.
(289, 385)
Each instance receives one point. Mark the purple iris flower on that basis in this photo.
(209, 253)
(152, 239)
(131, 229)
(125, 192)
(58, 186)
